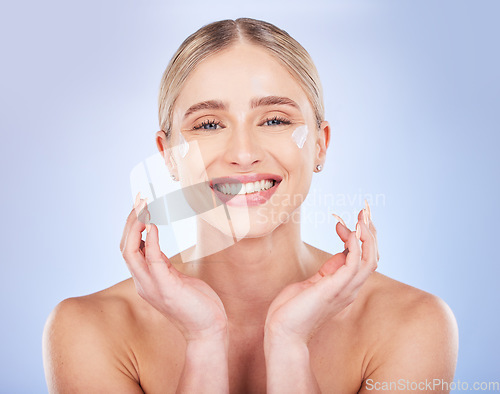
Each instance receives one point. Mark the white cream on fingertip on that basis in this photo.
(299, 135)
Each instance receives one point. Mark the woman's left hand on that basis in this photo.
(302, 307)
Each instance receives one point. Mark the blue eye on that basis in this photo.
(207, 125)
(276, 121)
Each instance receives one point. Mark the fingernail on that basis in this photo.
(339, 219)
(141, 205)
(365, 216)
(137, 200)
(148, 228)
(358, 231)
(367, 207)
(139, 208)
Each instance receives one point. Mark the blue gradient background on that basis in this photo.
(411, 91)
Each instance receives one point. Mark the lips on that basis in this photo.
(245, 179)
(252, 199)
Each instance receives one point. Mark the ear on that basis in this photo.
(322, 142)
(162, 142)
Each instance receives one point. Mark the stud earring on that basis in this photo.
(173, 177)
(319, 167)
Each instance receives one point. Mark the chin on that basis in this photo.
(242, 222)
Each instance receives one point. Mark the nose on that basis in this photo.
(243, 150)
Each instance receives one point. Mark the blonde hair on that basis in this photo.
(217, 36)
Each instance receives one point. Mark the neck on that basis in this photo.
(249, 274)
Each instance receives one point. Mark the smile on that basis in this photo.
(245, 190)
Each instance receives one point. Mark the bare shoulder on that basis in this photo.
(83, 347)
(389, 302)
(94, 312)
(412, 334)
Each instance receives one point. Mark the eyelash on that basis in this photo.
(282, 121)
(279, 119)
(205, 123)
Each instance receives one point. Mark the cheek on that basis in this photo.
(299, 136)
(191, 162)
(295, 150)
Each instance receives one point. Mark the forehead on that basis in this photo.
(237, 75)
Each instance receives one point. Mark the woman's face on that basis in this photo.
(239, 119)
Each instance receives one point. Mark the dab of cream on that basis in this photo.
(299, 135)
(183, 146)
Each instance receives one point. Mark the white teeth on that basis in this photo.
(246, 188)
(250, 187)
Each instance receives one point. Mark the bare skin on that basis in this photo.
(269, 314)
(116, 339)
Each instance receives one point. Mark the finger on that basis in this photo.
(137, 266)
(341, 228)
(336, 261)
(369, 214)
(370, 223)
(352, 260)
(132, 253)
(331, 286)
(347, 278)
(341, 280)
(368, 246)
(152, 247)
(343, 232)
(138, 217)
(126, 229)
(368, 257)
(129, 221)
(329, 267)
(332, 264)
(132, 217)
(159, 265)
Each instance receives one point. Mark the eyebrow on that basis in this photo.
(273, 100)
(256, 102)
(210, 104)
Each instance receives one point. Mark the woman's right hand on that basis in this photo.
(190, 303)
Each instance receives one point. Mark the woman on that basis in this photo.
(250, 308)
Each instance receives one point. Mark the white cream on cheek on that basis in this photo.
(299, 135)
